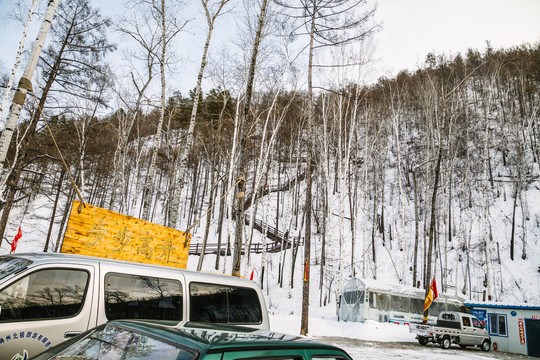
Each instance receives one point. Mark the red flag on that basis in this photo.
(434, 288)
(251, 277)
(16, 240)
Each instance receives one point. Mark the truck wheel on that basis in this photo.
(422, 340)
(486, 345)
(445, 343)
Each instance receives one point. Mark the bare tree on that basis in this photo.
(212, 9)
(326, 23)
(166, 22)
(71, 61)
(17, 59)
(25, 84)
(241, 187)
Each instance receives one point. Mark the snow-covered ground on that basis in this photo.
(369, 340)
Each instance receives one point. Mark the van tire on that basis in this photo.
(486, 345)
(446, 342)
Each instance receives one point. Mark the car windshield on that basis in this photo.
(10, 265)
(113, 342)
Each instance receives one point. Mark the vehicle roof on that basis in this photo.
(510, 306)
(398, 289)
(51, 258)
(222, 338)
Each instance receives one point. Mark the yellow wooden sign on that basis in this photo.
(104, 233)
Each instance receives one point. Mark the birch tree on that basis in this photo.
(325, 23)
(73, 57)
(240, 170)
(17, 59)
(212, 10)
(25, 84)
(166, 22)
(141, 60)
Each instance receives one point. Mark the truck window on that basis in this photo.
(476, 323)
(142, 297)
(224, 304)
(466, 321)
(449, 317)
(44, 294)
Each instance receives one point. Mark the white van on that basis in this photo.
(46, 298)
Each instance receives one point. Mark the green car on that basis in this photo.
(133, 340)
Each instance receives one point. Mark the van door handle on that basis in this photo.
(70, 334)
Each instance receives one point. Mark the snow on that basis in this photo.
(518, 281)
(321, 327)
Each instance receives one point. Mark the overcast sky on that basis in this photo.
(411, 29)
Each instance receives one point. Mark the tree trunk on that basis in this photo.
(188, 143)
(241, 188)
(416, 234)
(432, 227)
(53, 215)
(25, 84)
(148, 192)
(17, 59)
(307, 238)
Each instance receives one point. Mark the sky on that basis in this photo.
(413, 28)
(410, 30)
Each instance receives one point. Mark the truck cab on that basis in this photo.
(453, 327)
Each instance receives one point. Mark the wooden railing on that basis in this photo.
(225, 249)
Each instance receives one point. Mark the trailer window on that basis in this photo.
(352, 297)
(143, 297)
(383, 302)
(45, 294)
(372, 297)
(497, 325)
(417, 306)
(399, 303)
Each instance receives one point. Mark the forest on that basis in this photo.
(434, 171)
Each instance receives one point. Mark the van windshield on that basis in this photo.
(10, 265)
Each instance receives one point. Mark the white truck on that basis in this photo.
(453, 328)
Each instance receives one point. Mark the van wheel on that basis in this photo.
(445, 343)
(486, 345)
(422, 340)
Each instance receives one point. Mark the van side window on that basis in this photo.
(224, 304)
(142, 297)
(466, 321)
(44, 294)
